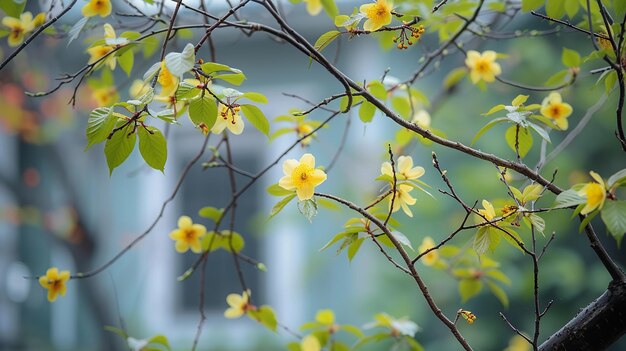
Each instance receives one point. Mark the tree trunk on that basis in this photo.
(596, 327)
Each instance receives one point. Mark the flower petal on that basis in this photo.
(318, 177)
(308, 160)
(182, 246)
(184, 222)
(235, 300)
(286, 183)
(305, 191)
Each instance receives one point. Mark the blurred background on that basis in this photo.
(59, 206)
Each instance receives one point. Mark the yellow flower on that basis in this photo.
(310, 343)
(553, 107)
(313, 7)
(595, 192)
(138, 88)
(422, 119)
(518, 343)
(304, 128)
(39, 20)
(19, 27)
(433, 256)
(227, 119)
(188, 235)
(378, 14)
(239, 304)
(54, 282)
(406, 171)
(488, 211)
(468, 316)
(99, 51)
(105, 96)
(97, 7)
(482, 66)
(302, 176)
(403, 199)
(168, 82)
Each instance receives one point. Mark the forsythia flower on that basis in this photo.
(468, 316)
(54, 282)
(138, 88)
(228, 118)
(482, 66)
(302, 176)
(422, 119)
(430, 258)
(304, 128)
(403, 199)
(313, 7)
(406, 171)
(553, 107)
(488, 212)
(239, 304)
(310, 343)
(99, 51)
(19, 27)
(378, 14)
(106, 96)
(188, 235)
(97, 7)
(168, 82)
(595, 192)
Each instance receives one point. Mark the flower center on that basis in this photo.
(482, 66)
(189, 234)
(301, 175)
(555, 111)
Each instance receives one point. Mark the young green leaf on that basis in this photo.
(203, 110)
(257, 118)
(570, 58)
(366, 112)
(280, 205)
(520, 140)
(308, 208)
(100, 123)
(469, 288)
(488, 126)
(180, 62)
(153, 147)
(126, 61)
(211, 213)
(119, 146)
(614, 217)
(568, 198)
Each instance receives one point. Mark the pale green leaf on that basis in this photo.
(257, 118)
(308, 208)
(469, 288)
(100, 123)
(153, 147)
(211, 213)
(178, 63)
(617, 179)
(366, 111)
(570, 58)
(523, 139)
(203, 110)
(614, 217)
(568, 198)
(486, 127)
(499, 293)
(280, 205)
(119, 146)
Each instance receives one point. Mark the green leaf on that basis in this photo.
(532, 192)
(542, 132)
(620, 8)
(557, 78)
(308, 208)
(211, 213)
(524, 139)
(402, 106)
(469, 288)
(256, 97)
(115, 330)
(482, 241)
(330, 7)
(210, 67)
(377, 89)
(100, 123)
(617, 179)
(13, 8)
(231, 241)
(494, 110)
(402, 239)
(555, 8)
(352, 330)
(326, 39)
(266, 316)
(613, 215)
(257, 118)
(366, 112)
(499, 276)
(232, 78)
(325, 317)
(512, 238)
(610, 82)
(160, 340)
(203, 110)
(454, 77)
(571, 8)
(150, 45)
(74, 32)
(118, 148)
(186, 91)
(152, 71)
(354, 248)
(153, 147)
(277, 190)
(126, 61)
(335, 239)
(570, 58)
(529, 5)
(537, 222)
(499, 292)
(180, 62)
(280, 205)
(488, 126)
(568, 198)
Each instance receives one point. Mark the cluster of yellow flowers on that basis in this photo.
(20, 27)
(403, 187)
